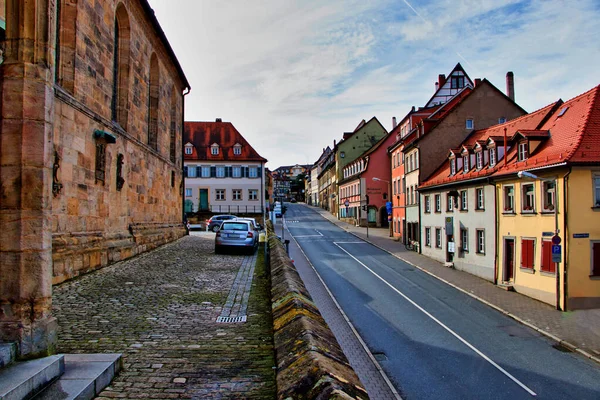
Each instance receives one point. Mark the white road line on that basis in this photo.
(306, 236)
(531, 392)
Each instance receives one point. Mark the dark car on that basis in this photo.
(236, 234)
(216, 220)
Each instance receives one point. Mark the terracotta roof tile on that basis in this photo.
(204, 134)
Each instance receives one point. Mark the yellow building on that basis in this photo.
(549, 170)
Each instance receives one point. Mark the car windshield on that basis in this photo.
(234, 226)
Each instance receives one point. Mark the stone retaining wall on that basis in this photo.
(310, 362)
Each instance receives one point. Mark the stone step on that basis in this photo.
(86, 375)
(22, 380)
(8, 354)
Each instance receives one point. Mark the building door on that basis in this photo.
(203, 200)
(509, 260)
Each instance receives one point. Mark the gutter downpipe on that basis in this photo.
(497, 229)
(565, 287)
(183, 94)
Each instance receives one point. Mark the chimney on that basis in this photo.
(394, 124)
(437, 86)
(510, 85)
(218, 120)
(441, 79)
(477, 81)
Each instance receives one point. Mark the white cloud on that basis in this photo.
(292, 76)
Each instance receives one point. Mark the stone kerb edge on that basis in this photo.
(310, 361)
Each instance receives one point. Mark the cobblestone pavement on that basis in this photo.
(160, 311)
(578, 328)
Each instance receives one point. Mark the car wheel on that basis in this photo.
(215, 228)
(218, 250)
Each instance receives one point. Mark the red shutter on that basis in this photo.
(547, 264)
(523, 253)
(527, 253)
(596, 260)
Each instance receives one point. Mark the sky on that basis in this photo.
(293, 76)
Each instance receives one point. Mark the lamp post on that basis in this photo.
(525, 174)
(390, 200)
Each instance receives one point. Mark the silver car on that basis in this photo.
(236, 234)
(255, 224)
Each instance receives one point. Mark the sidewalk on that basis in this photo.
(577, 330)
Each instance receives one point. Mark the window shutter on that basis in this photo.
(227, 172)
(596, 260)
(244, 172)
(198, 171)
(546, 256)
(213, 172)
(185, 171)
(526, 253)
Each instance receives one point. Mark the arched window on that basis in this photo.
(173, 127)
(120, 96)
(153, 100)
(65, 44)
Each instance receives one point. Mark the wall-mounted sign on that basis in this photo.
(546, 234)
(581, 235)
(449, 226)
(451, 247)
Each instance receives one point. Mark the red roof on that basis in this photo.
(204, 134)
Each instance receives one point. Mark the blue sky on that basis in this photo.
(292, 76)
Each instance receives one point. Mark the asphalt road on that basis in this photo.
(433, 341)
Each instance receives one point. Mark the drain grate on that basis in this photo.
(231, 320)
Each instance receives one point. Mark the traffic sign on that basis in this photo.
(556, 253)
(346, 203)
(556, 239)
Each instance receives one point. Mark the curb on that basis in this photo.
(558, 340)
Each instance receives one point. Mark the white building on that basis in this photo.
(223, 173)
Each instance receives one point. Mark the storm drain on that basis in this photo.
(234, 310)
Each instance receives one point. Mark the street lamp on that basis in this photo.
(525, 174)
(390, 199)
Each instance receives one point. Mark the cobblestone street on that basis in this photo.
(160, 310)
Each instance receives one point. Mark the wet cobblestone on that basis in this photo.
(160, 311)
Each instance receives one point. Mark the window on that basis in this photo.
(501, 120)
(457, 81)
(237, 150)
(463, 200)
(452, 166)
(237, 172)
(549, 196)
(253, 172)
(464, 239)
(438, 238)
(252, 194)
(153, 102)
(395, 187)
(449, 203)
(188, 192)
(527, 253)
(509, 199)
(427, 205)
(480, 199)
(188, 150)
(121, 60)
(237, 194)
(479, 159)
(469, 123)
(404, 186)
(492, 157)
(438, 203)
(595, 268)
(547, 265)
(428, 237)
(220, 172)
(220, 194)
(100, 162)
(523, 152)
(191, 171)
(528, 198)
(214, 150)
(465, 164)
(597, 191)
(480, 241)
(206, 171)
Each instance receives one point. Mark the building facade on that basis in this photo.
(92, 106)
(223, 172)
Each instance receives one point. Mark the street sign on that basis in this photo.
(346, 203)
(388, 207)
(556, 253)
(556, 239)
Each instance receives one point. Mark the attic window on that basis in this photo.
(188, 150)
(523, 151)
(214, 150)
(479, 159)
(562, 111)
(237, 149)
(457, 81)
(466, 164)
(492, 157)
(452, 166)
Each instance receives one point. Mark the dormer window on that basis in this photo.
(465, 164)
(237, 149)
(452, 166)
(479, 159)
(492, 157)
(214, 149)
(188, 150)
(523, 151)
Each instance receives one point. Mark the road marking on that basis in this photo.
(531, 392)
(305, 236)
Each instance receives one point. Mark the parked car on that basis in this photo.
(293, 200)
(216, 220)
(255, 224)
(236, 234)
